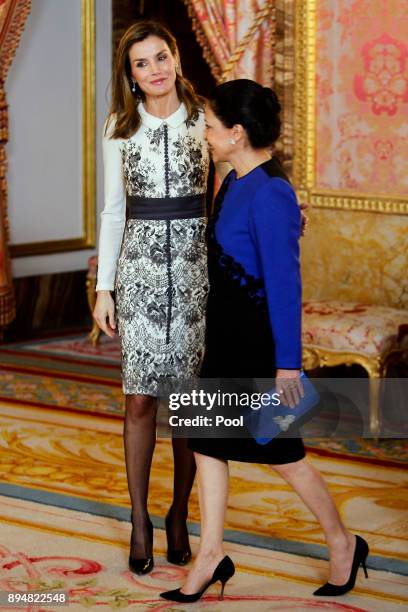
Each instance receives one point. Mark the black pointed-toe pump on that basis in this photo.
(146, 564)
(360, 556)
(176, 556)
(223, 572)
(141, 566)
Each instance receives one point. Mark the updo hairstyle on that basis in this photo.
(247, 103)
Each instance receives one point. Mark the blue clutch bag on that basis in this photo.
(269, 421)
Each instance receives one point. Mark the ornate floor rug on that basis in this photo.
(74, 462)
(85, 555)
(70, 374)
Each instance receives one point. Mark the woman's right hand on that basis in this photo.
(104, 313)
(290, 388)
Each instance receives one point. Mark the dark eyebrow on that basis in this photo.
(143, 59)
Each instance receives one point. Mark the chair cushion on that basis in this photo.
(351, 327)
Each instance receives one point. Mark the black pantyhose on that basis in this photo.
(139, 441)
(184, 473)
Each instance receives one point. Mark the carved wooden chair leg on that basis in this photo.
(375, 421)
(94, 334)
(374, 370)
(91, 295)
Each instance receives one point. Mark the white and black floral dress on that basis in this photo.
(157, 250)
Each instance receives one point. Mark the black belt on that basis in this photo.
(184, 207)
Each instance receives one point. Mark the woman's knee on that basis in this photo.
(290, 470)
(141, 406)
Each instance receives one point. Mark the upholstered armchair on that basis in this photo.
(336, 332)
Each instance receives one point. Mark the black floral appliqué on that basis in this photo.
(138, 170)
(155, 137)
(189, 172)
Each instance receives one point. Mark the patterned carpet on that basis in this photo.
(64, 506)
(70, 374)
(62, 475)
(85, 555)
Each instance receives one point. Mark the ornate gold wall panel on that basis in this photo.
(356, 256)
(351, 91)
(13, 15)
(352, 251)
(87, 240)
(284, 76)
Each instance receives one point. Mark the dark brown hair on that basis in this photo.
(124, 101)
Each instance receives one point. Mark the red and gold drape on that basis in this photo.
(237, 37)
(13, 15)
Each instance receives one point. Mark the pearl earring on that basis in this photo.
(232, 141)
(133, 86)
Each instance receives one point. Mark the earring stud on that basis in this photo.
(232, 141)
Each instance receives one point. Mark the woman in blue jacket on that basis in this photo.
(254, 327)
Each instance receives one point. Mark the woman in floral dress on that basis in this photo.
(152, 252)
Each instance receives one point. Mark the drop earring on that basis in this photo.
(133, 88)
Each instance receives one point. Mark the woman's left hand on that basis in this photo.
(289, 387)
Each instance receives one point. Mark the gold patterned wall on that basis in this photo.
(350, 252)
(355, 255)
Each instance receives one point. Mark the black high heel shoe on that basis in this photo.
(146, 564)
(360, 556)
(176, 556)
(223, 572)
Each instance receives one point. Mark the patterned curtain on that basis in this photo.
(237, 37)
(13, 15)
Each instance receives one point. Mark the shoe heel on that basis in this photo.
(363, 565)
(223, 583)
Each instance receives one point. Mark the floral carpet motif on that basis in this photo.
(69, 457)
(44, 547)
(64, 511)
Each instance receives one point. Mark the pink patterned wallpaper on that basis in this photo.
(362, 96)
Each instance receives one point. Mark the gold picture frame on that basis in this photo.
(87, 240)
(304, 132)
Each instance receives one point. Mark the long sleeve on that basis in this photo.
(113, 216)
(274, 222)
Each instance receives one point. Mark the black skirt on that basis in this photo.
(224, 363)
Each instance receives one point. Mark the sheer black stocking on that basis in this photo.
(184, 473)
(140, 439)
